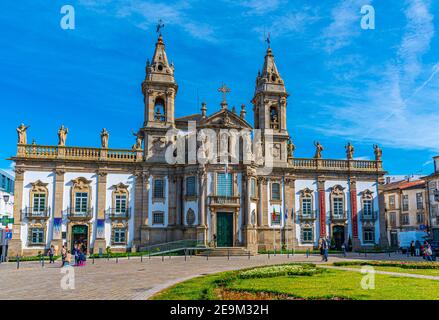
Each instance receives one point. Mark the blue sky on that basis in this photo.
(345, 83)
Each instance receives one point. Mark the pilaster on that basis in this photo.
(322, 206)
(100, 242)
(15, 246)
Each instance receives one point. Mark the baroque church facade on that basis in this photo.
(128, 199)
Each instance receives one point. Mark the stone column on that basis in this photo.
(201, 229)
(145, 231)
(354, 212)
(290, 197)
(178, 204)
(15, 246)
(322, 206)
(384, 241)
(100, 242)
(137, 210)
(57, 240)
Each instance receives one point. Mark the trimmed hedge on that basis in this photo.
(278, 271)
(32, 258)
(399, 264)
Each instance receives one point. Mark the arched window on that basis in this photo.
(159, 110)
(274, 118)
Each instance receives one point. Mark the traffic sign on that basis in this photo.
(8, 235)
(5, 220)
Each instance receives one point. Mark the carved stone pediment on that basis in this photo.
(81, 183)
(306, 191)
(337, 190)
(225, 119)
(39, 186)
(120, 188)
(366, 194)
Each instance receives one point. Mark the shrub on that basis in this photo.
(280, 270)
(399, 264)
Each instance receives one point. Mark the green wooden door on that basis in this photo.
(224, 229)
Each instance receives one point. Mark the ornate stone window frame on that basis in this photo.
(120, 189)
(160, 98)
(82, 185)
(158, 212)
(367, 228)
(36, 225)
(308, 194)
(366, 195)
(38, 187)
(233, 175)
(158, 199)
(119, 225)
(304, 226)
(337, 191)
(254, 196)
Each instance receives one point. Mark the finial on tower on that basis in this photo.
(268, 40)
(159, 27)
(243, 111)
(203, 109)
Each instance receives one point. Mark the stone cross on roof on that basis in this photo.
(160, 25)
(224, 90)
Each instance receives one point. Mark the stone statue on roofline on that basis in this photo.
(104, 138)
(290, 148)
(349, 151)
(22, 136)
(62, 136)
(319, 149)
(378, 152)
(139, 139)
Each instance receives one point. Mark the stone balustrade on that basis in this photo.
(33, 151)
(336, 165)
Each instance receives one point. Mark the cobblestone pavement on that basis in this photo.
(131, 279)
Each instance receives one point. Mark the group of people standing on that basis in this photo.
(424, 250)
(79, 253)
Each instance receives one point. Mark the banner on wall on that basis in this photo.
(57, 222)
(100, 229)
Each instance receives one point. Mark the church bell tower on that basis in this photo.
(270, 106)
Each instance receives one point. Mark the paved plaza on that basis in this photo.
(133, 278)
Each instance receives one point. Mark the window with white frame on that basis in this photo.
(39, 203)
(119, 235)
(419, 201)
(81, 202)
(367, 207)
(307, 235)
(37, 235)
(338, 206)
(420, 218)
(120, 203)
(405, 202)
(306, 205)
(191, 186)
(158, 217)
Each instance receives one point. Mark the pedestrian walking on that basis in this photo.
(417, 248)
(63, 255)
(67, 259)
(325, 249)
(428, 253)
(51, 253)
(412, 248)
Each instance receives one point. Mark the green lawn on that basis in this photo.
(328, 285)
(427, 272)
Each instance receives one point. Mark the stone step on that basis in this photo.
(225, 251)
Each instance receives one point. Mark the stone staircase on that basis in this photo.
(225, 251)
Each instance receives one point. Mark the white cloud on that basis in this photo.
(345, 25)
(384, 110)
(259, 7)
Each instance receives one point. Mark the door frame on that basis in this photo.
(229, 216)
(234, 214)
(344, 233)
(70, 234)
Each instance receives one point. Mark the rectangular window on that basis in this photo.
(159, 187)
(392, 202)
(275, 217)
(420, 218)
(253, 188)
(119, 235)
(275, 191)
(191, 186)
(338, 206)
(39, 205)
(158, 217)
(368, 235)
(37, 235)
(81, 202)
(224, 184)
(306, 206)
(393, 219)
(405, 202)
(307, 235)
(121, 203)
(367, 207)
(405, 219)
(419, 201)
